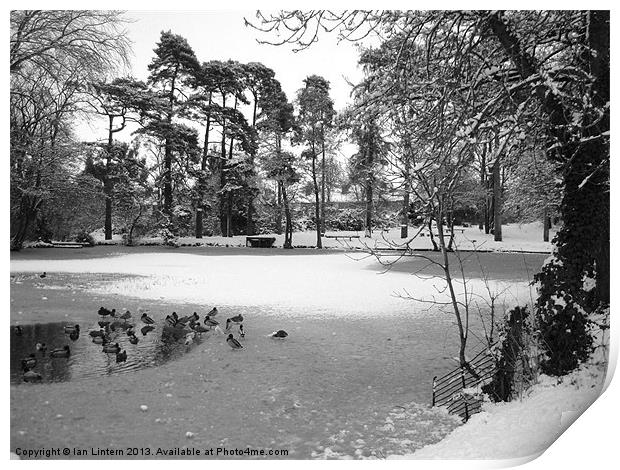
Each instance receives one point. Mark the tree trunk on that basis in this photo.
(317, 203)
(219, 225)
(202, 180)
(168, 154)
(107, 184)
(229, 203)
(288, 231)
(462, 323)
(497, 202)
(546, 225)
(583, 239)
(278, 209)
(430, 234)
(404, 224)
(323, 185)
(368, 161)
(229, 197)
(250, 229)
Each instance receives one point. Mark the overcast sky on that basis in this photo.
(222, 35)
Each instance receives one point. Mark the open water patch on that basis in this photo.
(87, 358)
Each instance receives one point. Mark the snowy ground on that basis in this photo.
(516, 237)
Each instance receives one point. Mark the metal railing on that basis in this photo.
(447, 389)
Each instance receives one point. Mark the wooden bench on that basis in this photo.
(260, 242)
(337, 237)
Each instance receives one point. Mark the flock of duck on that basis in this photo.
(186, 328)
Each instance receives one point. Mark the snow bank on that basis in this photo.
(526, 428)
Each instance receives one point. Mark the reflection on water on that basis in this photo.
(87, 359)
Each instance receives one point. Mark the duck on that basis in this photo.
(41, 347)
(43, 275)
(146, 319)
(146, 329)
(133, 339)
(19, 330)
(241, 331)
(198, 328)
(184, 320)
(233, 343)
(121, 356)
(72, 329)
(170, 321)
(279, 334)
(213, 312)
(236, 320)
(61, 352)
(74, 336)
(104, 312)
(31, 376)
(29, 362)
(211, 323)
(111, 348)
(96, 333)
(125, 316)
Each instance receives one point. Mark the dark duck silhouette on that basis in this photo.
(170, 321)
(211, 323)
(111, 348)
(146, 329)
(213, 312)
(43, 275)
(121, 356)
(241, 331)
(146, 319)
(236, 320)
(104, 312)
(61, 352)
(125, 316)
(72, 329)
(198, 328)
(279, 334)
(133, 339)
(74, 336)
(233, 343)
(29, 362)
(31, 376)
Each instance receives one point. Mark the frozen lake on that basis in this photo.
(352, 379)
